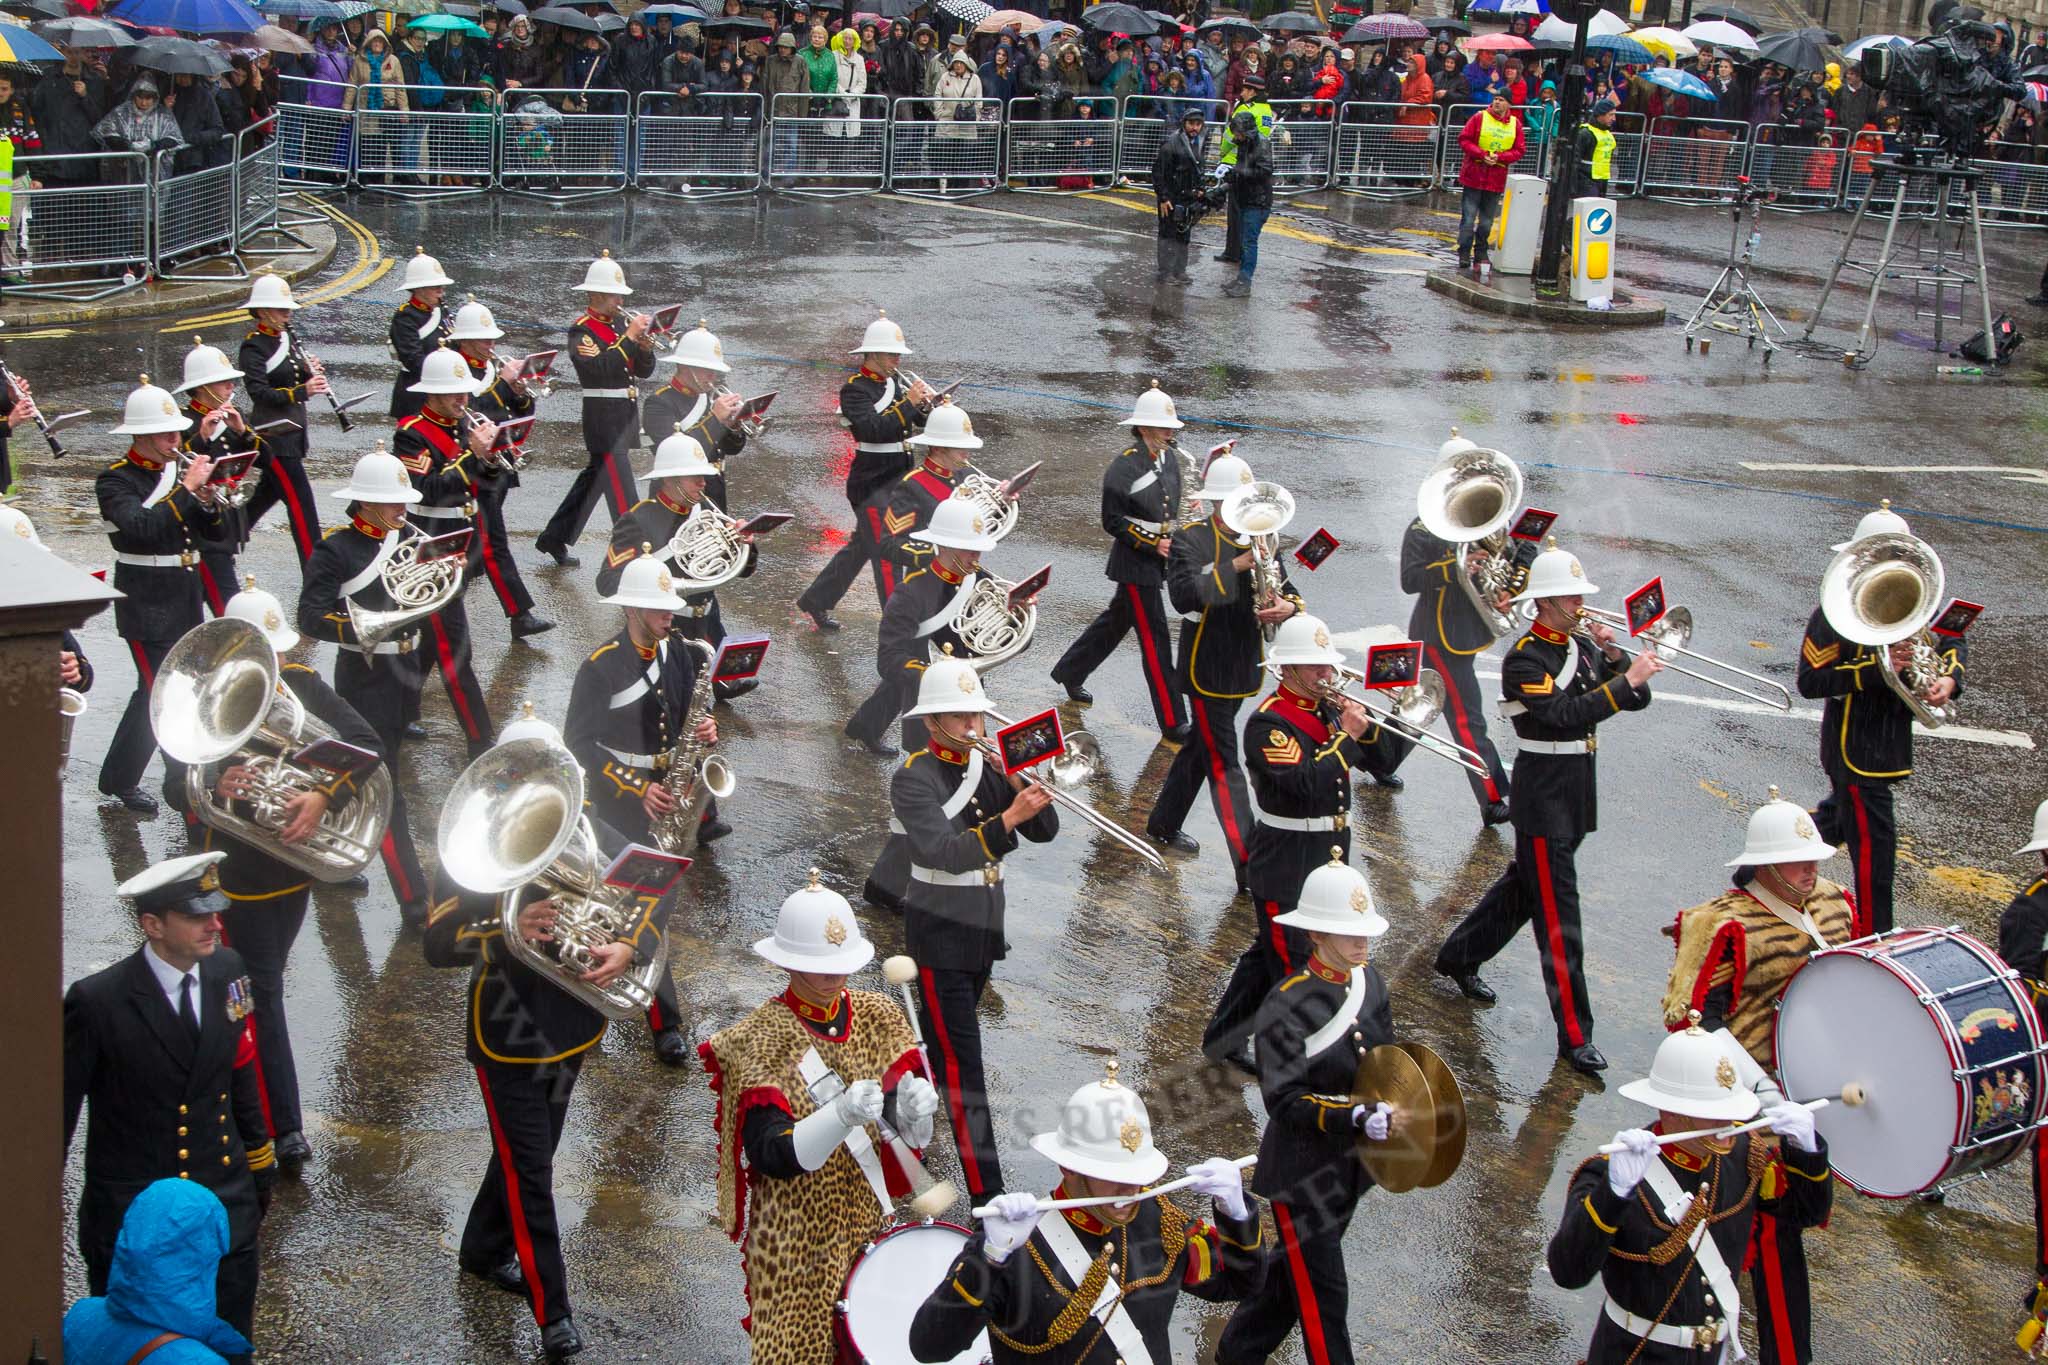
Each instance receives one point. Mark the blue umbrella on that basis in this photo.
(190, 16)
(312, 10)
(1623, 48)
(1509, 7)
(1681, 82)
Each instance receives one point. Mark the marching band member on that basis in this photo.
(218, 428)
(1866, 739)
(1312, 1030)
(920, 625)
(159, 522)
(679, 481)
(1667, 1305)
(1143, 1255)
(280, 377)
(74, 669)
(418, 328)
(1300, 749)
(948, 438)
(691, 400)
(527, 1037)
(1736, 955)
(2023, 943)
(442, 448)
(882, 414)
(1209, 578)
(960, 817)
(1141, 501)
(16, 406)
(267, 898)
(500, 396)
(375, 679)
(607, 359)
(627, 707)
(811, 1086)
(1555, 694)
(149, 1043)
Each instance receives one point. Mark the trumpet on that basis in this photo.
(749, 427)
(992, 632)
(1260, 511)
(1669, 639)
(1470, 499)
(1884, 591)
(1081, 761)
(508, 461)
(1408, 712)
(234, 492)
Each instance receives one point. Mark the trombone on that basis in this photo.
(1409, 712)
(1669, 639)
(1081, 761)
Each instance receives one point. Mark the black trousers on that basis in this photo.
(1465, 712)
(1541, 887)
(263, 932)
(218, 580)
(947, 1001)
(378, 686)
(1778, 1284)
(492, 552)
(1275, 953)
(864, 546)
(1860, 816)
(1308, 1286)
(1173, 254)
(607, 473)
(285, 484)
(134, 741)
(1210, 756)
(514, 1209)
(445, 650)
(890, 699)
(1133, 608)
(1233, 232)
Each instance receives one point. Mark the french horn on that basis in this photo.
(992, 633)
(418, 588)
(706, 549)
(985, 492)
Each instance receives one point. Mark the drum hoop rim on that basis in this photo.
(867, 1249)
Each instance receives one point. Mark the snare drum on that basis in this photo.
(890, 1280)
(1939, 1032)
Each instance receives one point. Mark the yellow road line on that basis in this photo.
(371, 265)
(1283, 230)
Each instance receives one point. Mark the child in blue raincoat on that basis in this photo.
(161, 1281)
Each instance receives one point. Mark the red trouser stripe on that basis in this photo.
(885, 565)
(522, 1240)
(2041, 1199)
(1278, 935)
(394, 867)
(1148, 650)
(294, 513)
(949, 1067)
(210, 588)
(142, 668)
(452, 678)
(492, 568)
(1774, 1287)
(654, 1015)
(1219, 783)
(1553, 933)
(1864, 903)
(1458, 717)
(621, 504)
(1304, 1292)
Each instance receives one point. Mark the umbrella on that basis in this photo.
(17, 44)
(1165, 20)
(1803, 49)
(179, 57)
(1668, 42)
(736, 25)
(83, 31)
(1447, 25)
(894, 9)
(1720, 35)
(352, 9)
(1552, 45)
(1294, 21)
(563, 17)
(1497, 42)
(1055, 31)
(45, 9)
(1557, 30)
(967, 11)
(189, 16)
(1852, 53)
(1681, 82)
(447, 23)
(1112, 17)
(403, 8)
(1623, 48)
(1378, 28)
(1004, 18)
(320, 10)
(1509, 7)
(682, 14)
(271, 38)
(1230, 23)
(1741, 18)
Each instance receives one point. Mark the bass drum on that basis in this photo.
(890, 1280)
(1941, 1036)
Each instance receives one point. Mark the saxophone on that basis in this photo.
(696, 772)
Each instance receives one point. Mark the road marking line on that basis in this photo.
(2015, 473)
(371, 265)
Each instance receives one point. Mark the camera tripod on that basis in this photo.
(1925, 259)
(1732, 304)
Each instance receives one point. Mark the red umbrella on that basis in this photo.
(1497, 42)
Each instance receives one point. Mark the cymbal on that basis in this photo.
(1450, 1113)
(1402, 1162)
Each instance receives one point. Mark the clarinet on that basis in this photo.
(17, 390)
(305, 364)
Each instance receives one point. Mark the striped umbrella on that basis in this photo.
(1378, 28)
(17, 44)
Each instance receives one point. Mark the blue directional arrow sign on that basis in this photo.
(1599, 221)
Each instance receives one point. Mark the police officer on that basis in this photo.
(347, 570)
(608, 357)
(1594, 146)
(691, 399)
(1141, 502)
(501, 395)
(948, 440)
(1300, 750)
(1866, 737)
(1017, 1278)
(1209, 578)
(882, 411)
(1251, 95)
(960, 817)
(1736, 955)
(418, 328)
(1555, 693)
(219, 429)
(1312, 1030)
(2023, 943)
(280, 377)
(627, 706)
(443, 447)
(161, 517)
(160, 1046)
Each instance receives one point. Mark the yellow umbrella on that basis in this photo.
(1666, 42)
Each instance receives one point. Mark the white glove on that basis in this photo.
(1008, 1225)
(1794, 1124)
(916, 1103)
(1626, 1169)
(1376, 1121)
(859, 1103)
(1222, 1181)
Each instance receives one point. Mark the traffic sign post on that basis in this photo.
(1565, 157)
(1592, 249)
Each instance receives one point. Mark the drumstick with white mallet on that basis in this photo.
(1853, 1094)
(1054, 1205)
(937, 1195)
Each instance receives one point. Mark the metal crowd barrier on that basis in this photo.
(712, 152)
(256, 189)
(561, 145)
(317, 141)
(1807, 179)
(1061, 155)
(1695, 161)
(1302, 133)
(829, 146)
(943, 147)
(92, 226)
(2014, 191)
(1148, 120)
(193, 212)
(1379, 158)
(436, 147)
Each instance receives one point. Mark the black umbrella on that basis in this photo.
(561, 16)
(1742, 19)
(736, 25)
(178, 57)
(1803, 49)
(41, 9)
(1294, 21)
(892, 9)
(1117, 17)
(1230, 23)
(1446, 25)
(81, 30)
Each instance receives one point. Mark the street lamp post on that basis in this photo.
(1564, 163)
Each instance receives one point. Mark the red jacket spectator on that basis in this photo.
(1477, 172)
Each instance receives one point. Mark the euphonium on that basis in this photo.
(217, 703)
(706, 549)
(1261, 511)
(985, 492)
(992, 633)
(1886, 590)
(1471, 499)
(696, 772)
(418, 589)
(513, 827)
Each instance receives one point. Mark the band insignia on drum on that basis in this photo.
(2001, 1100)
(1976, 1021)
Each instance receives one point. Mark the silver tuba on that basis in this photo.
(1260, 511)
(513, 826)
(1886, 590)
(992, 633)
(1470, 499)
(706, 549)
(218, 703)
(985, 492)
(418, 588)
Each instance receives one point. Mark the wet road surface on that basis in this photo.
(1341, 376)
